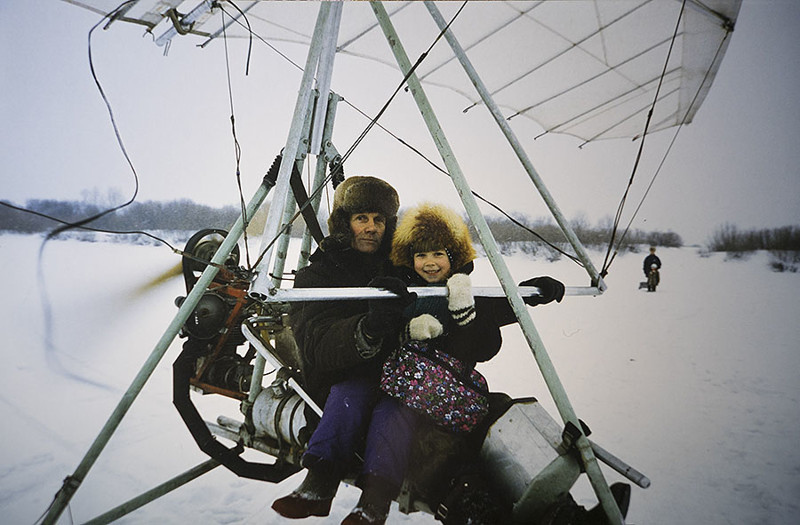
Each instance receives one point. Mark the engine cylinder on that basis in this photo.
(279, 413)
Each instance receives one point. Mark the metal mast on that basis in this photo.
(490, 246)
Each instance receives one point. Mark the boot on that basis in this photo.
(471, 501)
(312, 498)
(373, 505)
(367, 515)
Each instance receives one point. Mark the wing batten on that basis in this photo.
(575, 67)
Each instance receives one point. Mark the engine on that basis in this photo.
(217, 359)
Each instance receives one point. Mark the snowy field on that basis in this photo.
(695, 385)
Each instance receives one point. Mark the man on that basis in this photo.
(650, 260)
(651, 266)
(343, 345)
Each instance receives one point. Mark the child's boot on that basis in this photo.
(312, 498)
(373, 505)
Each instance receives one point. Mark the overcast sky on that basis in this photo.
(739, 162)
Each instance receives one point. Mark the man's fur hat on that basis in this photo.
(363, 194)
(429, 227)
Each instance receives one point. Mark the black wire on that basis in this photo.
(249, 32)
(91, 228)
(87, 220)
(374, 122)
(82, 224)
(262, 40)
(236, 145)
(618, 216)
(361, 137)
(477, 195)
(47, 333)
(671, 144)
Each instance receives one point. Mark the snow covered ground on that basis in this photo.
(695, 385)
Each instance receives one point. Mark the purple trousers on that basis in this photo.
(357, 408)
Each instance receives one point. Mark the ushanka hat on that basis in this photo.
(363, 194)
(430, 227)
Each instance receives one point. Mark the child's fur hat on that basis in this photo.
(429, 227)
(363, 194)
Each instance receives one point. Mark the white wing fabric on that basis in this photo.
(588, 68)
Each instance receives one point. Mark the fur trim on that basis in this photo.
(362, 194)
(430, 227)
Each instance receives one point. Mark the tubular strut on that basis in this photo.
(154, 493)
(323, 42)
(74, 481)
(487, 240)
(501, 121)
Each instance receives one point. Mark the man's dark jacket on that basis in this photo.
(650, 260)
(326, 332)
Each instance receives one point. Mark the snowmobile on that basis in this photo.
(235, 320)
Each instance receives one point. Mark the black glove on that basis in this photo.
(386, 315)
(550, 289)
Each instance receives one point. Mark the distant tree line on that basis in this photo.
(511, 236)
(782, 243)
(729, 238)
(178, 215)
(186, 215)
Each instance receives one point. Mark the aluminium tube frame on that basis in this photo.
(154, 493)
(590, 463)
(326, 155)
(290, 295)
(73, 482)
(322, 45)
(513, 141)
(327, 11)
(551, 378)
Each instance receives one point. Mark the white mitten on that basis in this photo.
(424, 327)
(459, 299)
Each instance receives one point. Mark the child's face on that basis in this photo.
(432, 266)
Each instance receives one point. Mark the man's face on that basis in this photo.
(368, 229)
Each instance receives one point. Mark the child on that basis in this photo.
(432, 247)
(430, 244)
